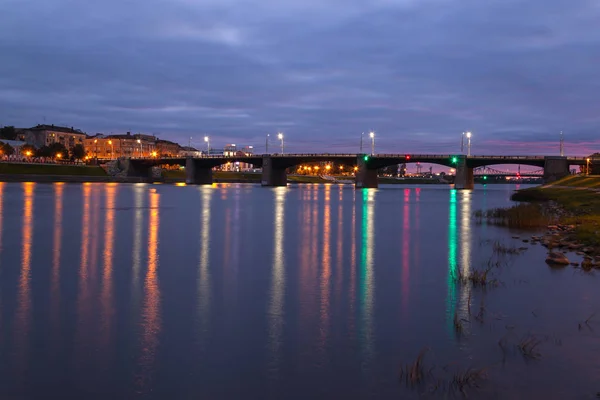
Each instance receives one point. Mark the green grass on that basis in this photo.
(582, 204)
(50, 169)
(581, 181)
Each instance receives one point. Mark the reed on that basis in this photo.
(522, 216)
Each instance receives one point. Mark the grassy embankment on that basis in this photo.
(579, 197)
(50, 169)
(571, 201)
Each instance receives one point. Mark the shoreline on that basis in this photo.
(572, 206)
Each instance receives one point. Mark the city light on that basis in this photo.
(341, 167)
(58, 155)
(454, 160)
(366, 158)
(154, 154)
(355, 168)
(28, 153)
(328, 167)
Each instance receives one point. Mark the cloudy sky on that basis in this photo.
(418, 72)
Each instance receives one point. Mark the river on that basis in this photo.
(310, 291)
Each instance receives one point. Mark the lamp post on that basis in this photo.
(111, 149)
(372, 136)
(462, 144)
(468, 144)
(280, 137)
(141, 148)
(587, 166)
(362, 134)
(96, 143)
(267, 144)
(207, 140)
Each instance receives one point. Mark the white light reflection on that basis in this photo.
(204, 294)
(276, 303)
(465, 254)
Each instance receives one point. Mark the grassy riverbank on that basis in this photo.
(578, 201)
(50, 169)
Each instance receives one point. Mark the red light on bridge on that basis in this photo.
(408, 157)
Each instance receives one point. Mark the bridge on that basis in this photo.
(274, 166)
(487, 171)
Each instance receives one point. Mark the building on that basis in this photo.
(231, 150)
(166, 148)
(115, 146)
(45, 135)
(187, 151)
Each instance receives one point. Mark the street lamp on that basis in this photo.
(362, 134)
(96, 143)
(468, 144)
(58, 155)
(141, 149)
(587, 164)
(207, 140)
(267, 144)
(112, 152)
(280, 137)
(372, 136)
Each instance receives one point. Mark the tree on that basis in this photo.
(52, 151)
(78, 152)
(391, 170)
(6, 149)
(8, 133)
(43, 151)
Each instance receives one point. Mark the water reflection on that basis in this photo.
(106, 295)
(367, 285)
(204, 294)
(340, 245)
(452, 259)
(465, 253)
(151, 319)
(326, 270)
(56, 248)
(138, 221)
(276, 303)
(405, 250)
(83, 294)
(23, 312)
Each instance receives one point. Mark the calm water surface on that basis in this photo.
(312, 291)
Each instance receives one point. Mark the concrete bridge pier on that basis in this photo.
(137, 169)
(464, 178)
(273, 174)
(366, 178)
(196, 174)
(555, 167)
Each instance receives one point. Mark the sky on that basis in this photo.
(417, 72)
